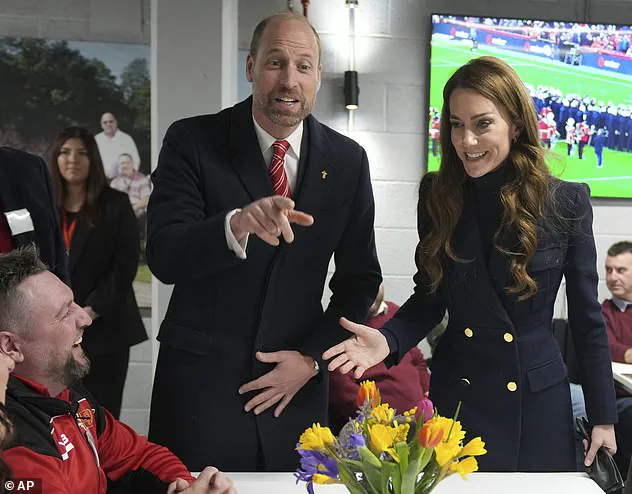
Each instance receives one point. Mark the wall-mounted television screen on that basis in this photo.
(579, 76)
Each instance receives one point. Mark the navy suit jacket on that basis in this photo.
(224, 309)
(494, 342)
(25, 184)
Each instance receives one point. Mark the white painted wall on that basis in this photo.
(392, 57)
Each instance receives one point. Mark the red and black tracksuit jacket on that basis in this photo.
(70, 444)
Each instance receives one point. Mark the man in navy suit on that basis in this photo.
(249, 206)
(28, 211)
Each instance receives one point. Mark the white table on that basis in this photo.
(623, 375)
(476, 483)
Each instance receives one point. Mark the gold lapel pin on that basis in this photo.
(324, 175)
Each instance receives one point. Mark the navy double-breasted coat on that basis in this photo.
(498, 356)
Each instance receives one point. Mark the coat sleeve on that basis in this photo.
(584, 314)
(59, 259)
(124, 227)
(357, 277)
(26, 464)
(183, 244)
(121, 450)
(424, 310)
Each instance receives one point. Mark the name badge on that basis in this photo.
(19, 221)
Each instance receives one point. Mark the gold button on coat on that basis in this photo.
(508, 337)
(465, 381)
(512, 386)
(468, 332)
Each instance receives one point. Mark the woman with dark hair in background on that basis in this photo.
(102, 238)
(496, 234)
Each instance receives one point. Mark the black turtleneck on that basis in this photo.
(489, 210)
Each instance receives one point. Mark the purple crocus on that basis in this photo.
(357, 440)
(315, 462)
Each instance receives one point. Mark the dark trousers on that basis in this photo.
(107, 379)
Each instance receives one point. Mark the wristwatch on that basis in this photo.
(316, 366)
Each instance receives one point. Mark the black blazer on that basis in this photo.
(224, 309)
(102, 264)
(25, 183)
(493, 341)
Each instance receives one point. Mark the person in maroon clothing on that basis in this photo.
(403, 386)
(617, 313)
(62, 436)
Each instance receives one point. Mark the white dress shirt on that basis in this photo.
(292, 158)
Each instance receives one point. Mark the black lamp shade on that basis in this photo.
(351, 90)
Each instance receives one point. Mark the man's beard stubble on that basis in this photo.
(279, 117)
(75, 370)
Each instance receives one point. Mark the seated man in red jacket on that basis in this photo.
(403, 386)
(62, 438)
(617, 313)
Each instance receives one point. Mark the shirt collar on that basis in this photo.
(266, 140)
(620, 303)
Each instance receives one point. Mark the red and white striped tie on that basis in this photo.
(280, 184)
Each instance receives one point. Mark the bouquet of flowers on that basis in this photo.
(380, 452)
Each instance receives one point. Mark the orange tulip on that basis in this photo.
(367, 391)
(429, 435)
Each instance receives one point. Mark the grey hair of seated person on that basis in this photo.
(618, 248)
(15, 267)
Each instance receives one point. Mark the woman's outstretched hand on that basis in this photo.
(366, 348)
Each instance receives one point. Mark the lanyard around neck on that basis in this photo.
(67, 229)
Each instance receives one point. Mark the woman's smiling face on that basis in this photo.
(481, 134)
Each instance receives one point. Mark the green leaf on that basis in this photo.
(350, 481)
(409, 478)
(374, 477)
(402, 451)
(355, 464)
(387, 472)
(368, 457)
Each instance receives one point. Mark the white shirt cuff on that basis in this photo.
(238, 248)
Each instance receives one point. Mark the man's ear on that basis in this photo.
(11, 346)
(250, 63)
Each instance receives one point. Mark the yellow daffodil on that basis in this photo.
(316, 438)
(319, 478)
(465, 466)
(450, 445)
(383, 437)
(475, 447)
(446, 452)
(367, 391)
(382, 414)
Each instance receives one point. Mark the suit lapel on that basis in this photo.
(317, 169)
(79, 238)
(478, 280)
(246, 154)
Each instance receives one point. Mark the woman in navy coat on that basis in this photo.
(497, 233)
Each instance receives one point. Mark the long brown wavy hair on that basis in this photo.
(525, 196)
(96, 181)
